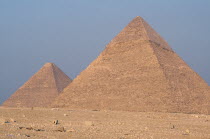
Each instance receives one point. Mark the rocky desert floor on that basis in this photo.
(85, 124)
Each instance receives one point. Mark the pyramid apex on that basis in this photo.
(139, 30)
(48, 64)
(138, 17)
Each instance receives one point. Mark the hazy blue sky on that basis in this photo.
(72, 33)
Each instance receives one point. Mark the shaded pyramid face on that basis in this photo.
(41, 89)
(137, 71)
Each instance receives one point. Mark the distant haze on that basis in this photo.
(72, 34)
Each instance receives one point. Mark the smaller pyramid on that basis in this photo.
(41, 89)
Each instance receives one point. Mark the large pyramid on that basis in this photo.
(41, 89)
(137, 71)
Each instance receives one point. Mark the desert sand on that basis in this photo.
(92, 124)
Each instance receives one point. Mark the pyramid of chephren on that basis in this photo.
(137, 71)
(41, 89)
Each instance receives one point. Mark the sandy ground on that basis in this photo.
(82, 124)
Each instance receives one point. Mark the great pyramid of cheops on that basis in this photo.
(41, 89)
(137, 71)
